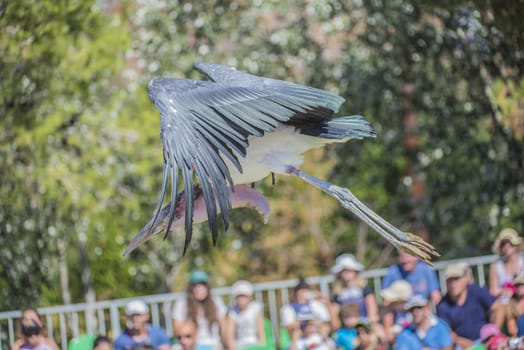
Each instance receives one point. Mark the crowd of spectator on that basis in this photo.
(412, 313)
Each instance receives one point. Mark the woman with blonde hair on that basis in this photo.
(350, 288)
(32, 333)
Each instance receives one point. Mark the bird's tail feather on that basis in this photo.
(354, 127)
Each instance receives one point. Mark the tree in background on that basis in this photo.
(82, 156)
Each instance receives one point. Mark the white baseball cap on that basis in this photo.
(136, 306)
(242, 288)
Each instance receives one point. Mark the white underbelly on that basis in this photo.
(274, 152)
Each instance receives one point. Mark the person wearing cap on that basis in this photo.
(307, 305)
(466, 307)
(204, 309)
(420, 275)
(245, 319)
(490, 338)
(350, 288)
(139, 332)
(514, 313)
(426, 331)
(393, 315)
(510, 262)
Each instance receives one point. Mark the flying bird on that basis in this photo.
(221, 135)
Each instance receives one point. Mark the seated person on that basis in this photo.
(367, 339)
(425, 331)
(350, 288)
(201, 306)
(186, 334)
(393, 315)
(466, 307)
(33, 333)
(245, 320)
(308, 336)
(102, 343)
(510, 262)
(139, 333)
(307, 304)
(345, 337)
(491, 338)
(420, 275)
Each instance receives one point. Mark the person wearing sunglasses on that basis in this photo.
(32, 333)
(509, 264)
(426, 331)
(186, 335)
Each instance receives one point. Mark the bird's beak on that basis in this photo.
(243, 196)
(149, 229)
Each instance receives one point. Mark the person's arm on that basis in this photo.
(436, 297)
(497, 313)
(229, 333)
(294, 335)
(17, 344)
(50, 342)
(464, 343)
(261, 334)
(494, 287)
(222, 324)
(511, 320)
(334, 319)
(371, 308)
(288, 319)
(178, 314)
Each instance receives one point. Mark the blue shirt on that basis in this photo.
(437, 336)
(466, 320)
(345, 338)
(422, 279)
(354, 295)
(156, 337)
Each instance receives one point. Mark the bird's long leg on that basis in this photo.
(401, 240)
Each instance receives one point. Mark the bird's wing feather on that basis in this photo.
(327, 102)
(203, 121)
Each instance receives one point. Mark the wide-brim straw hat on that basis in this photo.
(508, 234)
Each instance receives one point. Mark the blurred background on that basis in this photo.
(81, 157)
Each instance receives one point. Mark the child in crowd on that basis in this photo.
(309, 336)
(245, 321)
(345, 337)
(367, 339)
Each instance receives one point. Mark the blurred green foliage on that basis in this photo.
(81, 156)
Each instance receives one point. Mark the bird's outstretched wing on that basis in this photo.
(329, 104)
(204, 121)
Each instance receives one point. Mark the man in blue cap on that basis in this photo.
(426, 331)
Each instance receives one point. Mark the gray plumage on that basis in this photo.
(206, 126)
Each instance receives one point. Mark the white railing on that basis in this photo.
(106, 317)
